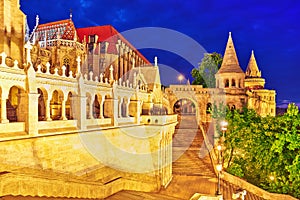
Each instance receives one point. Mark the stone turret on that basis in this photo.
(230, 75)
(253, 75)
(12, 29)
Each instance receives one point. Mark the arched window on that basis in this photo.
(226, 83)
(66, 63)
(232, 107)
(208, 108)
(233, 83)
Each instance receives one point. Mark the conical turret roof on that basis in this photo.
(252, 69)
(230, 62)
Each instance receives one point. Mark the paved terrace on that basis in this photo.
(192, 171)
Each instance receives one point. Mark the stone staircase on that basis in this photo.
(189, 154)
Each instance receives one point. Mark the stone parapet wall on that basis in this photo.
(91, 164)
(254, 189)
(16, 185)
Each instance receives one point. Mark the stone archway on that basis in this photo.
(69, 106)
(184, 106)
(96, 107)
(42, 105)
(14, 104)
(56, 105)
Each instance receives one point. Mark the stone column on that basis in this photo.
(31, 124)
(3, 111)
(81, 112)
(48, 118)
(92, 107)
(115, 112)
(121, 62)
(138, 111)
(71, 115)
(125, 63)
(127, 108)
(120, 108)
(63, 110)
(21, 109)
(101, 107)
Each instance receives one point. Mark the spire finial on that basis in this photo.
(37, 19)
(229, 34)
(155, 61)
(252, 52)
(71, 15)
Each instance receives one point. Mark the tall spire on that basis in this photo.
(253, 78)
(230, 61)
(71, 14)
(252, 69)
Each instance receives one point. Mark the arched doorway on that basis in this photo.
(108, 106)
(96, 108)
(14, 105)
(184, 107)
(56, 105)
(41, 105)
(69, 107)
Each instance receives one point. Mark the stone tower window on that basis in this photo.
(226, 83)
(208, 108)
(232, 108)
(233, 83)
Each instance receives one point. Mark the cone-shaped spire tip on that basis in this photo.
(252, 68)
(230, 62)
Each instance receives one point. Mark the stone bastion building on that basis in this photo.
(82, 112)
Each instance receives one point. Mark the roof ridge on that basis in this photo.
(54, 22)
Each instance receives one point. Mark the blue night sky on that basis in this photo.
(270, 28)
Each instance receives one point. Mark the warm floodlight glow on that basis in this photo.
(180, 78)
(272, 178)
(219, 167)
(219, 147)
(224, 125)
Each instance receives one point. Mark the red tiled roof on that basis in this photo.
(109, 34)
(64, 28)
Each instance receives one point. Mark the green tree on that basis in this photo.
(263, 150)
(205, 73)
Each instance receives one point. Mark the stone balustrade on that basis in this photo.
(51, 99)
